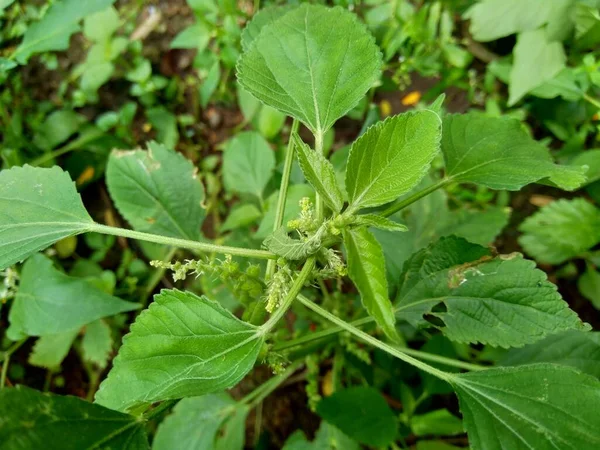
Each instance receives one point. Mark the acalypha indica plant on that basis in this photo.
(314, 64)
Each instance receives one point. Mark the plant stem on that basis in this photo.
(413, 198)
(592, 100)
(291, 296)
(283, 188)
(264, 390)
(155, 412)
(373, 341)
(319, 207)
(182, 243)
(6, 360)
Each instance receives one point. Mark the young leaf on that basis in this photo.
(320, 174)
(532, 52)
(366, 267)
(382, 223)
(30, 419)
(361, 413)
(497, 153)
(195, 423)
(181, 346)
(391, 158)
(38, 207)
(577, 349)
(50, 302)
(50, 350)
(97, 343)
(303, 66)
(53, 31)
(294, 249)
(540, 406)
(157, 191)
(248, 164)
(264, 17)
(503, 301)
(561, 230)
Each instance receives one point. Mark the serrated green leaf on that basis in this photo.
(561, 230)
(540, 406)
(296, 192)
(97, 343)
(320, 174)
(53, 31)
(497, 153)
(264, 17)
(157, 191)
(532, 52)
(50, 350)
(366, 267)
(382, 223)
(391, 158)
(361, 413)
(502, 301)
(181, 346)
(50, 302)
(293, 249)
(304, 67)
(195, 423)
(38, 207)
(577, 349)
(248, 163)
(32, 420)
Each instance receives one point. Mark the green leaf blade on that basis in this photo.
(38, 207)
(182, 346)
(391, 158)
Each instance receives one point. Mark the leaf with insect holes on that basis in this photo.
(561, 230)
(303, 66)
(319, 172)
(538, 406)
(262, 18)
(293, 249)
(181, 346)
(391, 158)
(213, 421)
(497, 152)
(366, 267)
(50, 302)
(30, 419)
(502, 301)
(158, 191)
(38, 207)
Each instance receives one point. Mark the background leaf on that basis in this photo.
(50, 350)
(181, 346)
(391, 158)
(304, 67)
(30, 419)
(157, 191)
(97, 343)
(37, 208)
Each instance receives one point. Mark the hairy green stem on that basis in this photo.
(303, 276)
(373, 341)
(413, 198)
(264, 390)
(182, 243)
(283, 188)
(319, 205)
(6, 360)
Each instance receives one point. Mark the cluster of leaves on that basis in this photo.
(377, 212)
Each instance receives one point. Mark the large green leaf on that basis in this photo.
(157, 191)
(248, 164)
(532, 52)
(195, 424)
(50, 302)
(32, 420)
(361, 413)
(503, 301)
(53, 31)
(264, 17)
(498, 153)
(37, 208)
(561, 230)
(366, 267)
(181, 346)
(577, 349)
(319, 172)
(540, 406)
(391, 158)
(493, 19)
(303, 66)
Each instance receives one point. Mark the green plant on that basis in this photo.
(191, 347)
